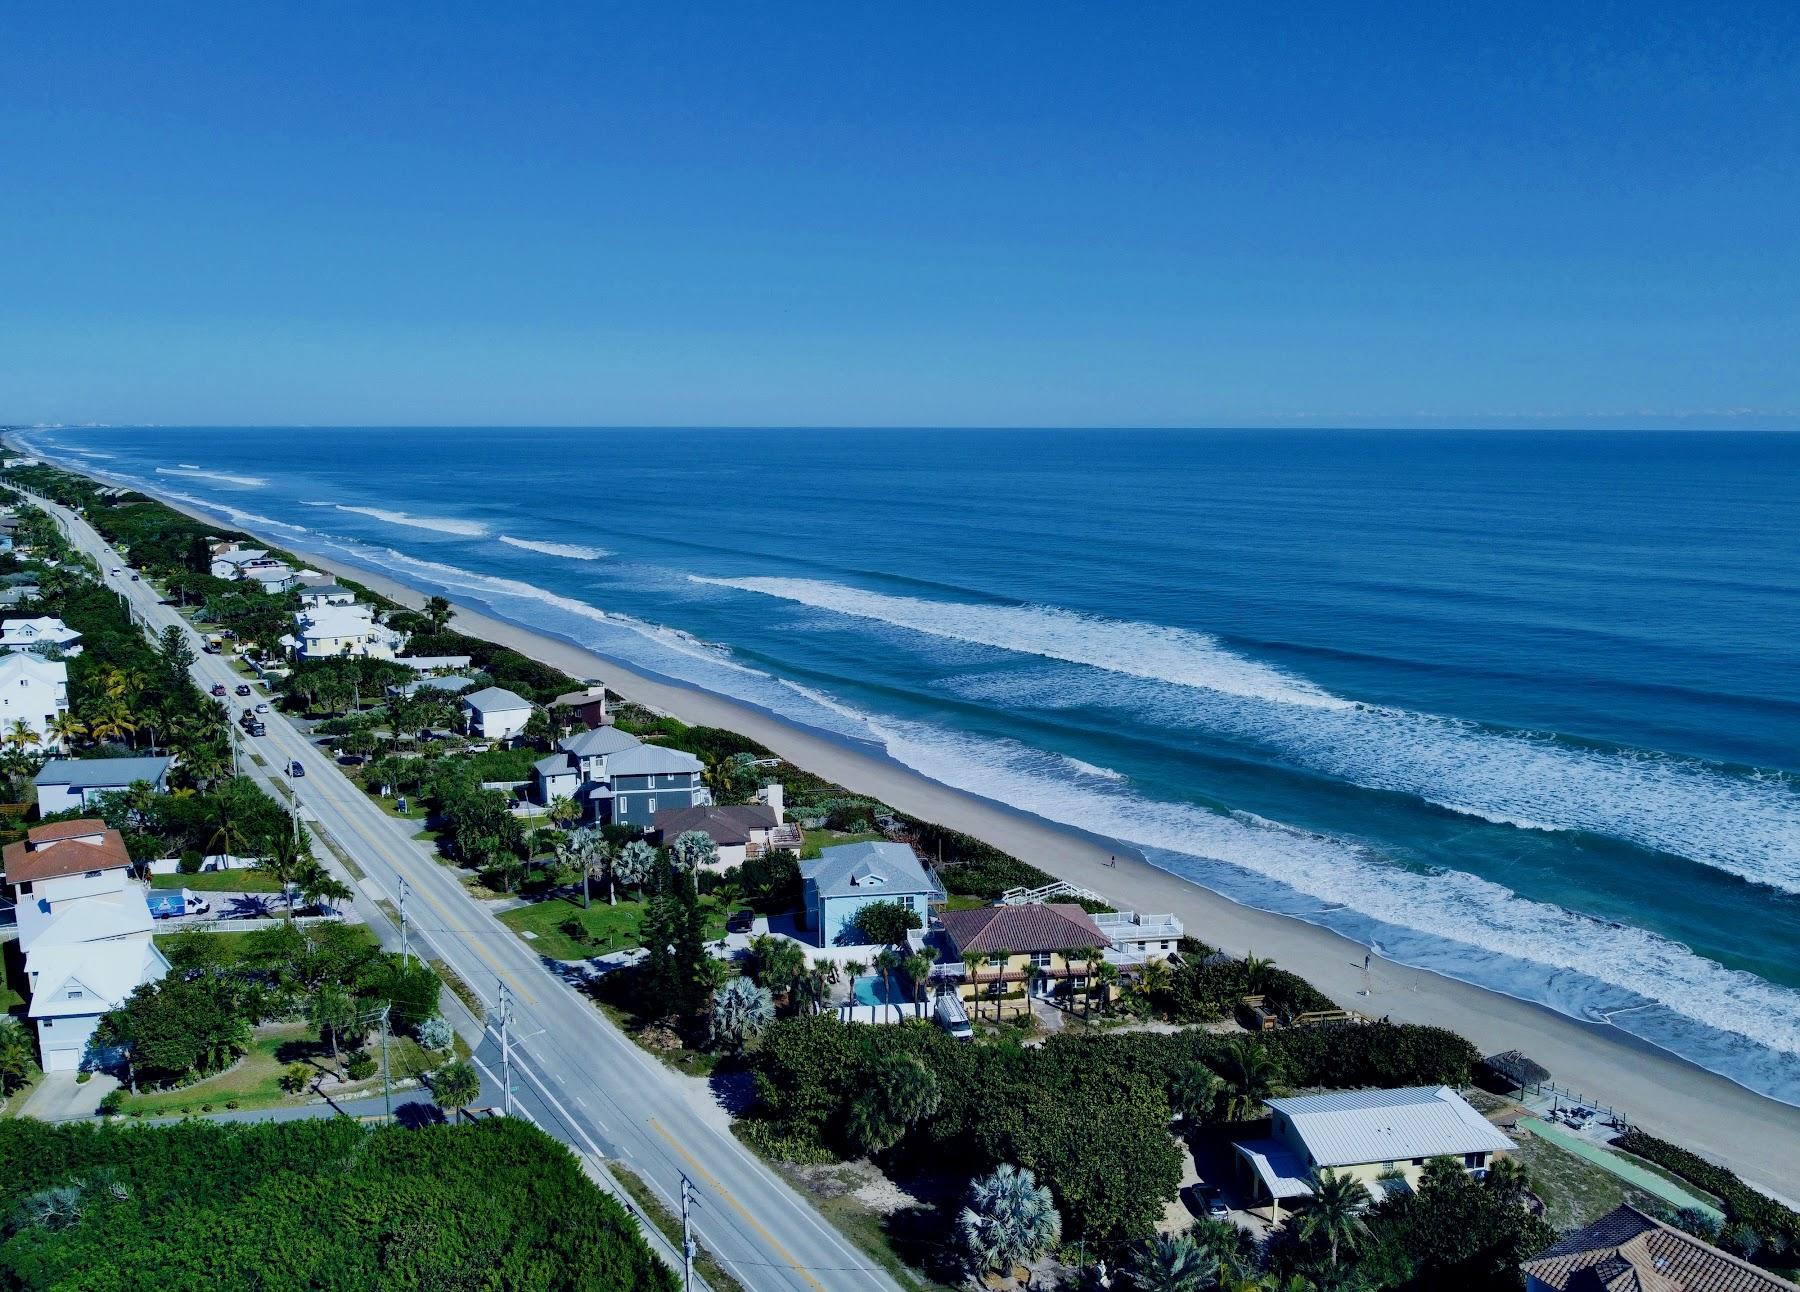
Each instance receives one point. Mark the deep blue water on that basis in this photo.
(1523, 708)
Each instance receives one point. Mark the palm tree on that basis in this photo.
(455, 1086)
(289, 853)
(854, 969)
(1001, 958)
(65, 729)
(112, 721)
(1508, 1179)
(1154, 977)
(334, 1012)
(1107, 974)
(1228, 1252)
(1195, 1093)
(887, 960)
(564, 811)
(1336, 1211)
(633, 864)
(20, 735)
(973, 963)
(318, 886)
(1009, 1218)
(901, 1092)
(1256, 971)
(917, 969)
(1251, 1077)
(740, 1011)
(1169, 1264)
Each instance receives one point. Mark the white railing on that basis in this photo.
(1061, 888)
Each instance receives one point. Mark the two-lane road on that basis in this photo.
(585, 1081)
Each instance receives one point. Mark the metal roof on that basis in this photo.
(643, 760)
(1353, 1127)
(599, 742)
(1282, 1174)
(495, 699)
(101, 773)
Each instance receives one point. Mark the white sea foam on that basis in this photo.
(442, 524)
(1081, 768)
(574, 551)
(1165, 678)
(88, 453)
(1466, 922)
(1133, 649)
(248, 482)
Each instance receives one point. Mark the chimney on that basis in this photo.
(773, 795)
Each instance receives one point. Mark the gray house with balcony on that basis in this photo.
(618, 779)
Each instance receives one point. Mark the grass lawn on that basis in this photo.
(255, 1081)
(595, 931)
(818, 839)
(1576, 1192)
(220, 881)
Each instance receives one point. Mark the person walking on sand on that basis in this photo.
(1113, 862)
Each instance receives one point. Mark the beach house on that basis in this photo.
(253, 565)
(43, 633)
(844, 879)
(33, 690)
(1382, 1138)
(325, 594)
(1046, 947)
(331, 631)
(586, 707)
(494, 713)
(618, 779)
(71, 784)
(739, 830)
(1628, 1251)
(84, 929)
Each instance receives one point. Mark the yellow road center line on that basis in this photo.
(736, 1206)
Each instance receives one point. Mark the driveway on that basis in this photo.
(60, 1098)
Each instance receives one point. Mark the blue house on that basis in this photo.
(618, 779)
(850, 876)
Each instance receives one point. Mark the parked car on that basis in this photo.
(1205, 1202)
(741, 922)
(243, 688)
(218, 688)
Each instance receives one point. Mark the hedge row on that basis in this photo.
(1743, 1205)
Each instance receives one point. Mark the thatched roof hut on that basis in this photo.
(1516, 1069)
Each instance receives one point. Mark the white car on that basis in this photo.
(262, 708)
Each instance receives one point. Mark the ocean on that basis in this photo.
(1520, 708)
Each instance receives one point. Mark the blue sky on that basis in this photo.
(931, 214)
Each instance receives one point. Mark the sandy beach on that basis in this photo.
(1668, 1096)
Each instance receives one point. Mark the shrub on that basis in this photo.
(361, 1067)
(190, 862)
(1770, 1219)
(83, 1077)
(435, 1033)
(231, 1103)
(297, 1077)
(111, 1102)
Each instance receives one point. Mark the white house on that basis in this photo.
(1377, 1137)
(494, 713)
(330, 631)
(326, 594)
(70, 784)
(23, 634)
(33, 690)
(85, 930)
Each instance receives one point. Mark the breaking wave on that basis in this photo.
(1741, 822)
(573, 551)
(248, 482)
(442, 524)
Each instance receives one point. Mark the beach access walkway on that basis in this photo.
(1625, 1169)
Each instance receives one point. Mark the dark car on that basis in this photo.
(243, 688)
(741, 922)
(295, 769)
(218, 688)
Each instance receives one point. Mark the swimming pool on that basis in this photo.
(869, 991)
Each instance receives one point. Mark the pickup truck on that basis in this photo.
(168, 903)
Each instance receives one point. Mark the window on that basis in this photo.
(651, 807)
(1040, 959)
(624, 805)
(74, 993)
(1418, 1161)
(92, 874)
(1474, 1159)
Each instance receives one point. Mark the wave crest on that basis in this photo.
(573, 551)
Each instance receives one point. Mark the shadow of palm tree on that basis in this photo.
(250, 906)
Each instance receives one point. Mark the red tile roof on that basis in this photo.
(1625, 1249)
(1039, 926)
(50, 851)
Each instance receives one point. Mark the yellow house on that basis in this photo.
(1382, 1138)
(1013, 952)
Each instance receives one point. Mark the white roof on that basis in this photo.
(46, 626)
(53, 671)
(495, 699)
(105, 973)
(1283, 1174)
(335, 621)
(1355, 1127)
(95, 918)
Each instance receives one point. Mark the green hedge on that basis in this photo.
(1743, 1205)
(311, 1204)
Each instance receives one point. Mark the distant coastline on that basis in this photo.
(1670, 1095)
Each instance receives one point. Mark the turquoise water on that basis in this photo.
(1520, 708)
(869, 991)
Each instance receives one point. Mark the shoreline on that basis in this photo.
(1672, 1097)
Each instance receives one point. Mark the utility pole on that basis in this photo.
(506, 1049)
(687, 1237)
(405, 942)
(387, 1088)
